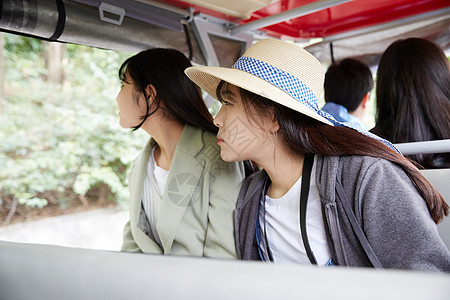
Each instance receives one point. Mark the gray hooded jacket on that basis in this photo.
(390, 210)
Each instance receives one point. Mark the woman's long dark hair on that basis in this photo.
(306, 135)
(181, 98)
(413, 97)
(164, 69)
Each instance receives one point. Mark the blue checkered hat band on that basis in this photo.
(279, 78)
(296, 89)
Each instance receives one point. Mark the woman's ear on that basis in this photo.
(274, 126)
(150, 91)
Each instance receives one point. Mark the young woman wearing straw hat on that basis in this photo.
(326, 194)
(182, 194)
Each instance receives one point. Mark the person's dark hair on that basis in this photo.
(347, 82)
(306, 135)
(413, 97)
(164, 69)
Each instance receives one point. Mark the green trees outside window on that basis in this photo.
(59, 134)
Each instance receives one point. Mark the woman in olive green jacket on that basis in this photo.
(182, 194)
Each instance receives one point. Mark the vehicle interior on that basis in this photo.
(216, 33)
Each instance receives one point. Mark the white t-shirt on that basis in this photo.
(283, 225)
(154, 186)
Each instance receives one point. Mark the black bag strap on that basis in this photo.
(306, 176)
(343, 199)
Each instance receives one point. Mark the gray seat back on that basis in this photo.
(440, 179)
(42, 272)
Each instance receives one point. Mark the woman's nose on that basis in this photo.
(218, 121)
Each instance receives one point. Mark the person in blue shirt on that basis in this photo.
(347, 90)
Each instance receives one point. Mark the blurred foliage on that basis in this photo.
(62, 141)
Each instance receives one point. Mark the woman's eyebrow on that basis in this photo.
(229, 95)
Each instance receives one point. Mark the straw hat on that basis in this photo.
(280, 71)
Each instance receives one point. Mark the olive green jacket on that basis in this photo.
(196, 213)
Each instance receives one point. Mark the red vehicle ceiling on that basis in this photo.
(320, 18)
(215, 32)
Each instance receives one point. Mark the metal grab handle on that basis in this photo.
(426, 147)
(112, 10)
